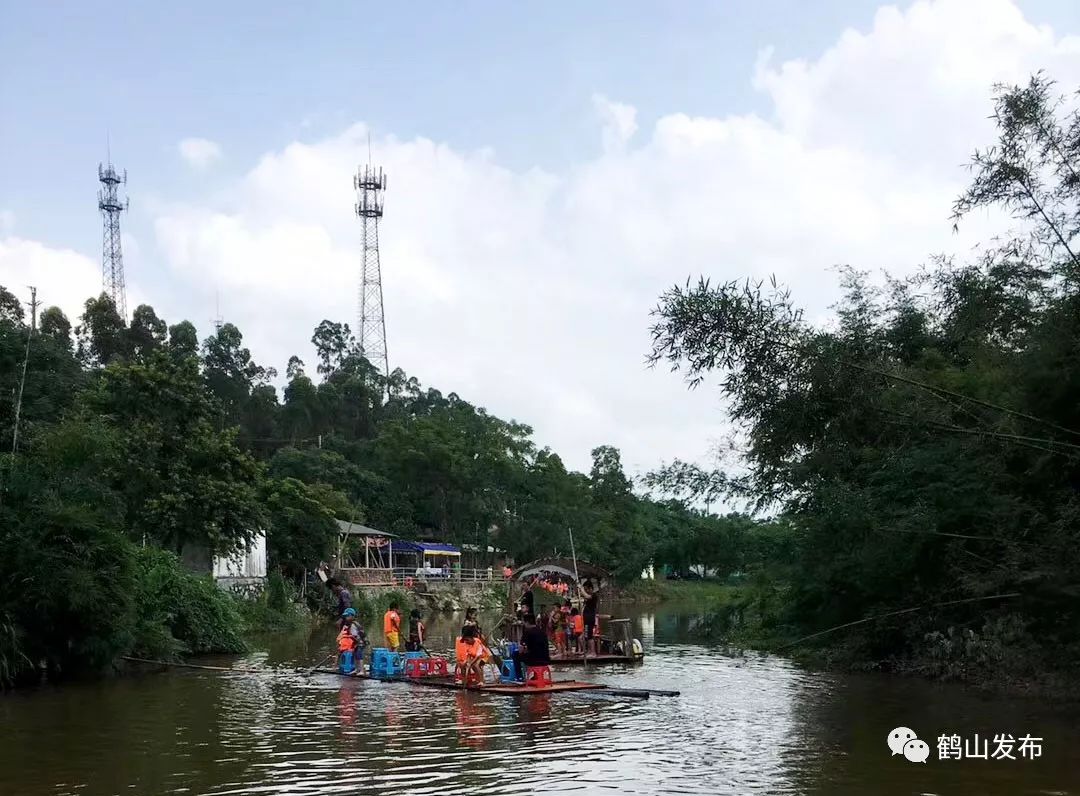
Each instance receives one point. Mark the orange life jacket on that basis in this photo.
(391, 622)
(345, 641)
(579, 624)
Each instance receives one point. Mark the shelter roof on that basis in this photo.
(356, 529)
(562, 566)
(430, 548)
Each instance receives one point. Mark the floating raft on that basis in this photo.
(578, 660)
(495, 688)
(506, 689)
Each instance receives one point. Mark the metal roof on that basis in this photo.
(355, 528)
(427, 548)
(561, 566)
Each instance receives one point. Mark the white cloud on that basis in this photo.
(199, 152)
(63, 278)
(529, 291)
(619, 122)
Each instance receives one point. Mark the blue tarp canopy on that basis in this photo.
(425, 548)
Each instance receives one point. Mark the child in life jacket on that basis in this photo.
(351, 642)
(556, 629)
(577, 626)
(567, 625)
(469, 667)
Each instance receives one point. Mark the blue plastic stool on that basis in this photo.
(346, 665)
(508, 672)
(417, 654)
(385, 663)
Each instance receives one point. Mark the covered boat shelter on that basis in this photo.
(562, 577)
(561, 570)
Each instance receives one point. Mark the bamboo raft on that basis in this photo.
(507, 689)
(584, 660)
(446, 683)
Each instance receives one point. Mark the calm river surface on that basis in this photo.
(744, 724)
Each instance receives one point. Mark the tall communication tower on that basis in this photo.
(112, 257)
(370, 183)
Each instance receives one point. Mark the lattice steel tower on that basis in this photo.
(112, 257)
(370, 183)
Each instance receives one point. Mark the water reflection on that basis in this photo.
(745, 723)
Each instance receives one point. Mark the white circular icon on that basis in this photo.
(916, 751)
(899, 737)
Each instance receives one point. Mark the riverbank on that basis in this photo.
(996, 653)
(654, 592)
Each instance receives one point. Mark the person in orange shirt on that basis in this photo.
(577, 636)
(392, 627)
(470, 654)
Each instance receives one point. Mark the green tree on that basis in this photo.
(101, 334)
(302, 527)
(184, 480)
(183, 340)
(147, 333)
(55, 327)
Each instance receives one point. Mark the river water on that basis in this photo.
(745, 723)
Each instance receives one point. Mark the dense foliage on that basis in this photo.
(925, 448)
(136, 445)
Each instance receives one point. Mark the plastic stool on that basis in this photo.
(345, 662)
(438, 667)
(417, 667)
(537, 676)
(508, 672)
(417, 654)
(385, 663)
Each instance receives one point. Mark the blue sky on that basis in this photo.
(511, 76)
(714, 163)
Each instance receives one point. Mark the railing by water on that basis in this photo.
(413, 577)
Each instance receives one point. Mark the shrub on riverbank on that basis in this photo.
(276, 608)
(647, 592)
(181, 613)
(371, 607)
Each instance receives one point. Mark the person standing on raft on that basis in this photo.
(351, 642)
(417, 633)
(589, 615)
(392, 627)
(536, 651)
(344, 601)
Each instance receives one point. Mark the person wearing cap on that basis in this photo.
(352, 639)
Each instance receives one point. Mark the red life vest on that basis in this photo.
(345, 641)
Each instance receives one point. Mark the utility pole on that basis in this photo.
(22, 380)
(33, 309)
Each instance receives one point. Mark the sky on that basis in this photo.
(553, 168)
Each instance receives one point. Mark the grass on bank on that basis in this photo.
(658, 591)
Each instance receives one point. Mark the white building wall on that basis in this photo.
(249, 563)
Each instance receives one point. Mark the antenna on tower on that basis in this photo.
(369, 183)
(217, 320)
(112, 257)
